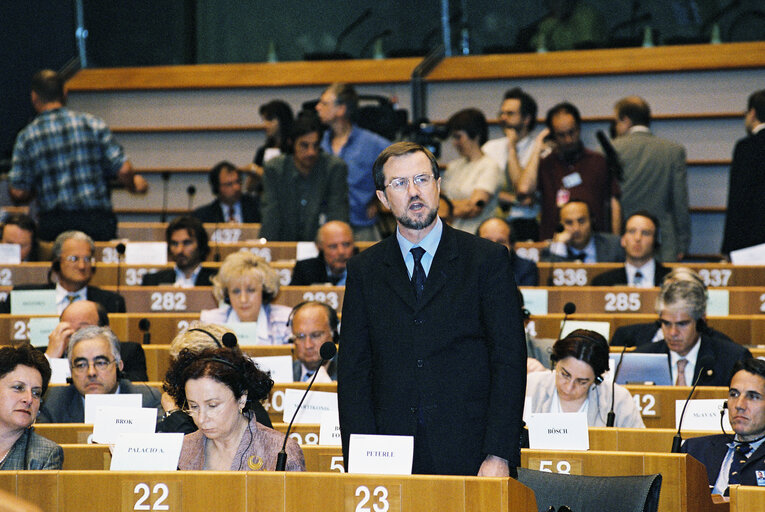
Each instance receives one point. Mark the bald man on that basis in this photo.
(84, 313)
(500, 231)
(335, 243)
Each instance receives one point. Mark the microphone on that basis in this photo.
(611, 417)
(327, 352)
(568, 309)
(347, 30)
(120, 254)
(144, 325)
(558, 229)
(229, 340)
(191, 190)
(678, 439)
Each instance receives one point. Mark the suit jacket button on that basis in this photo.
(420, 362)
(418, 321)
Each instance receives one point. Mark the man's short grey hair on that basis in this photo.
(72, 235)
(688, 295)
(94, 331)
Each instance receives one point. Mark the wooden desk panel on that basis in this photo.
(86, 457)
(155, 231)
(684, 480)
(132, 275)
(65, 433)
(746, 498)
(658, 440)
(657, 403)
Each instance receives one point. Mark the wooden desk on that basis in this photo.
(193, 491)
(658, 440)
(684, 484)
(657, 403)
(223, 232)
(747, 498)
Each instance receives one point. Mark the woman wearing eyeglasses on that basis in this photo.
(577, 383)
(24, 376)
(472, 181)
(218, 388)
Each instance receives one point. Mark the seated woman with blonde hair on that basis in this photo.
(577, 383)
(218, 388)
(247, 285)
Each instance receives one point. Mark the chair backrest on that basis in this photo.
(593, 493)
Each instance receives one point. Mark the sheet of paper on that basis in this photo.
(535, 301)
(10, 254)
(147, 452)
(40, 328)
(112, 421)
(718, 303)
(94, 402)
(754, 255)
(315, 404)
(558, 431)
(146, 253)
(60, 371)
(246, 333)
(33, 302)
(380, 455)
(280, 367)
(603, 328)
(702, 414)
(329, 430)
(306, 250)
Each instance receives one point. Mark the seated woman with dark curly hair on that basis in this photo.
(24, 377)
(578, 384)
(218, 388)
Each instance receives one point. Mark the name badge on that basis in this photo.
(146, 253)
(147, 452)
(701, 414)
(381, 455)
(760, 476)
(572, 180)
(112, 421)
(314, 406)
(558, 431)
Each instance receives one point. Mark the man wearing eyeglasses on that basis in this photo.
(94, 358)
(313, 324)
(432, 342)
(71, 271)
(187, 246)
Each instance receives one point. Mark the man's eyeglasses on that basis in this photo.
(100, 364)
(314, 336)
(75, 259)
(419, 181)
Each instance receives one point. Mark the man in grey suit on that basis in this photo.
(303, 189)
(654, 176)
(432, 343)
(94, 358)
(576, 240)
(313, 324)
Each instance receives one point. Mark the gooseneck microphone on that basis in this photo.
(611, 417)
(144, 325)
(190, 191)
(568, 309)
(327, 352)
(678, 439)
(120, 255)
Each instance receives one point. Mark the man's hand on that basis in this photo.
(140, 185)
(512, 138)
(494, 466)
(58, 339)
(563, 237)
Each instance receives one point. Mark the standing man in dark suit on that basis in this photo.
(682, 307)
(96, 364)
(187, 247)
(500, 231)
(654, 176)
(640, 240)
(335, 243)
(433, 344)
(738, 459)
(577, 242)
(230, 204)
(746, 209)
(73, 268)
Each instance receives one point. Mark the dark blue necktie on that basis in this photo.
(418, 274)
(739, 459)
(574, 255)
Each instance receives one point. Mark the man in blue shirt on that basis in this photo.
(358, 148)
(65, 160)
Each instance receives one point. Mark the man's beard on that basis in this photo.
(410, 223)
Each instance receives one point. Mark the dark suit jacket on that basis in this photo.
(608, 248)
(634, 335)
(309, 271)
(455, 360)
(167, 276)
(711, 450)
(618, 276)
(64, 404)
(524, 271)
(211, 212)
(112, 302)
(720, 354)
(33, 452)
(746, 209)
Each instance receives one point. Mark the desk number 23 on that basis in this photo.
(159, 503)
(380, 492)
